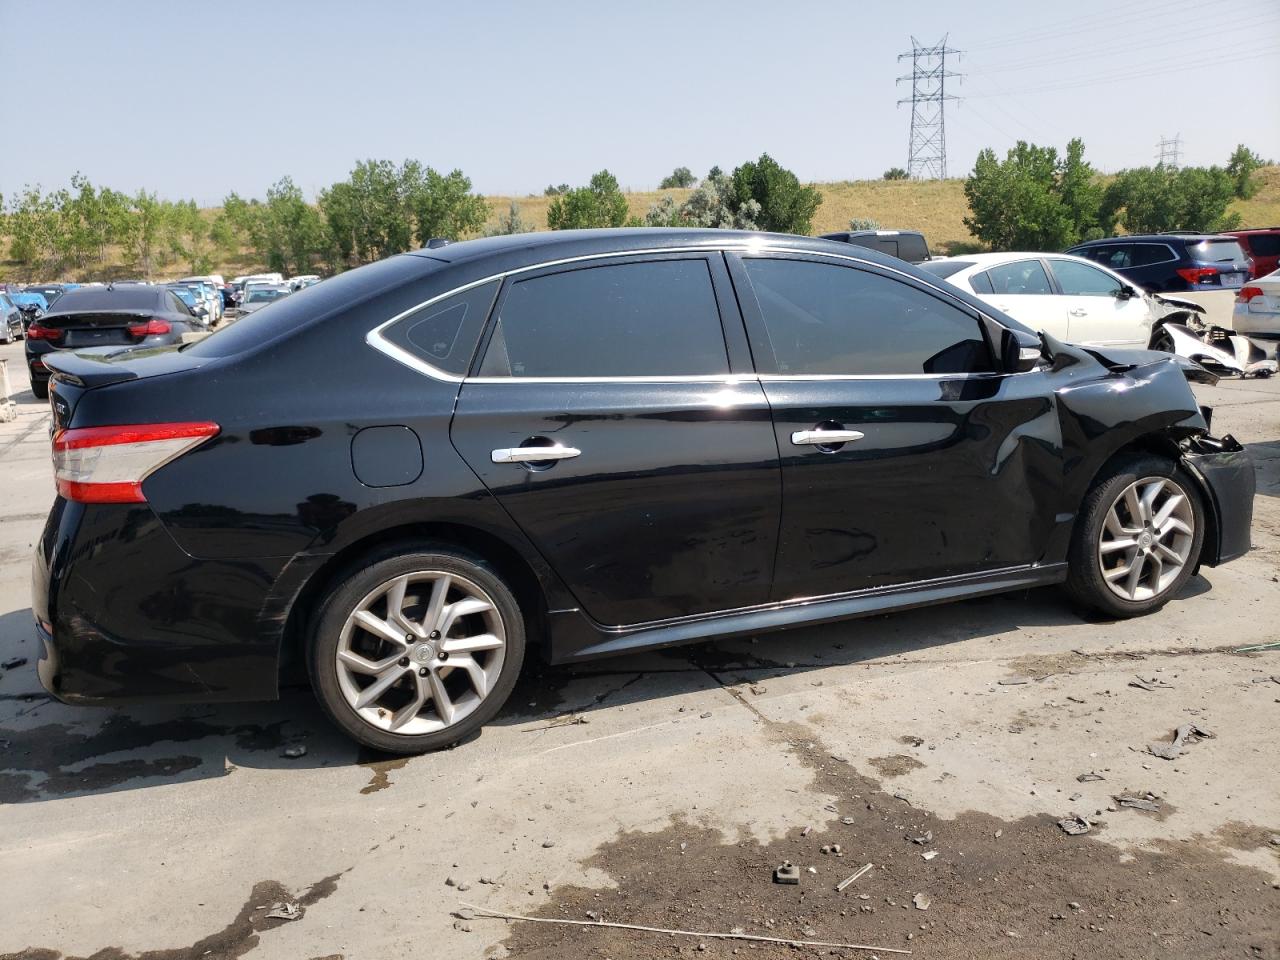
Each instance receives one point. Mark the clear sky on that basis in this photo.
(194, 99)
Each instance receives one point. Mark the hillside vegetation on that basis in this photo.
(936, 207)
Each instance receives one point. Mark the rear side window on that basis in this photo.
(1216, 251)
(1082, 280)
(981, 283)
(444, 333)
(827, 319)
(1146, 254)
(912, 248)
(651, 319)
(1021, 277)
(945, 268)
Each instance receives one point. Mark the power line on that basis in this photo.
(927, 149)
(1168, 151)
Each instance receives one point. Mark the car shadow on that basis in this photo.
(49, 750)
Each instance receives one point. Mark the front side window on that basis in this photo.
(652, 319)
(1082, 280)
(1020, 277)
(827, 319)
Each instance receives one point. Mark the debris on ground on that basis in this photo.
(286, 910)
(1152, 684)
(1259, 646)
(786, 872)
(14, 662)
(294, 751)
(1186, 734)
(927, 838)
(548, 844)
(805, 831)
(496, 915)
(848, 880)
(1147, 801)
(929, 854)
(1074, 825)
(1013, 681)
(1089, 777)
(921, 902)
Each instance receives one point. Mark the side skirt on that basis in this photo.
(574, 636)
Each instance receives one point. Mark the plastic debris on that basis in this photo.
(848, 880)
(1074, 825)
(1088, 777)
(1152, 684)
(14, 662)
(294, 751)
(287, 910)
(1148, 802)
(927, 838)
(786, 872)
(921, 902)
(1186, 734)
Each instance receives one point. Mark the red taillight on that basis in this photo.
(149, 329)
(37, 332)
(1248, 293)
(1197, 274)
(108, 464)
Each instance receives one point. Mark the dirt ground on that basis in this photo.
(663, 789)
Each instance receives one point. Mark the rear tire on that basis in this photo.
(415, 648)
(1138, 537)
(40, 388)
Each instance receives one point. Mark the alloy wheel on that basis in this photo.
(1147, 538)
(420, 652)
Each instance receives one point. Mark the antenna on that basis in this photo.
(927, 152)
(1168, 151)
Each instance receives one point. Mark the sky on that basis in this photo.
(196, 99)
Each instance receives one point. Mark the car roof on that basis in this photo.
(1163, 237)
(991, 259)
(531, 248)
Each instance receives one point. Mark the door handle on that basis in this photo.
(533, 454)
(1077, 312)
(825, 437)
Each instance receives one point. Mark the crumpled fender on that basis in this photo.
(1243, 357)
(1170, 305)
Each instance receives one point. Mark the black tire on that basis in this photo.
(1085, 581)
(40, 388)
(1160, 340)
(353, 585)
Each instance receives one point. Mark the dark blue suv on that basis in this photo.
(1173, 262)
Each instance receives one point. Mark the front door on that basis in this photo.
(1097, 313)
(627, 436)
(1022, 289)
(906, 456)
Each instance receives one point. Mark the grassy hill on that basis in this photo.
(937, 207)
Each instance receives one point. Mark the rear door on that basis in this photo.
(1022, 289)
(1096, 311)
(615, 415)
(905, 455)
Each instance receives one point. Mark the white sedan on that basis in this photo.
(1068, 297)
(1257, 310)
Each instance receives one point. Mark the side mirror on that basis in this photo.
(1020, 352)
(1126, 292)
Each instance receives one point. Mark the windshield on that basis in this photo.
(186, 297)
(264, 296)
(1216, 251)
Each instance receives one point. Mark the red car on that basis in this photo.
(1262, 246)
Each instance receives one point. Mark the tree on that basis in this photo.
(1241, 167)
(1034, 200)
(144, 228)
(895, 173)
(444, 206)
(714, 203)
(1157, 199)
(786, 206)
(665, 213)
(680, 177)
(600, 204)
(187, 237)
(509, 223)
(554, 191)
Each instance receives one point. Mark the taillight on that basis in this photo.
(149, 329)
(1248, 293)
(37, 332)
(108, 464)
(1197, 274)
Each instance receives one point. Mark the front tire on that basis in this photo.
(1138, 537)
(1161, 340)
(415, 649)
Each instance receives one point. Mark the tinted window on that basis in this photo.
(1082, 280)
(1092, 253)
(630, 320)
(1021, 277)
(1264, 244)
(175, 305)
(912, 247)
(945, 268)
(1145, 254)
(105, 298)
(1216, 251)
(444, 333)
(825, 319)
(1116, 257)
(981, 283)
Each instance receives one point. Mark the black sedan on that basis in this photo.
(594, 442)
(122, 316)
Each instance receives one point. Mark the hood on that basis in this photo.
(1165, 306)
(1120, 359)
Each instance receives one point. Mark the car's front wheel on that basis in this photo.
(1137, 539)
(415, 649)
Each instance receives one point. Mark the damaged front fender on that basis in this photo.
(1225, 472)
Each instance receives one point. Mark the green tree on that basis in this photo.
(555, 191)
(786, 206)
(444, 206)
(665, 213)
(679, 177)
(1034, 200)
(34, 230)
(144, 229)
(895, 173)
(1157, 199)
(1241, 168)
(714, 203)
(864, 223)
(600, 204)
(186, 235)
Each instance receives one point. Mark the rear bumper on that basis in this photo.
(1227, 476)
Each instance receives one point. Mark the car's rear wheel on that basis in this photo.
(417, 649)
(40, 388)
(1138, 537)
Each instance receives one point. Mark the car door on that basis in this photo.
(1102, 308)
(1022, 289)
(906, 455)
(615, 416)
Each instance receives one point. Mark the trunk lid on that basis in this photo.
(96, 329)
(74, 372)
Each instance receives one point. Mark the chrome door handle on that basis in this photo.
(1077, 312)
(533, 454)
(825, 437)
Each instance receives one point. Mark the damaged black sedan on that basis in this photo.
(590, 443)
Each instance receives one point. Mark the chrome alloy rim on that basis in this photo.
(1146, 540)
(421, 652)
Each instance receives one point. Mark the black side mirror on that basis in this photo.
(1125, 292)
(1020, 352)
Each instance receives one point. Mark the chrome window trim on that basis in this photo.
(375, 338)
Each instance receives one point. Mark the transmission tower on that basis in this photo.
(927, 155)
(1169, 151)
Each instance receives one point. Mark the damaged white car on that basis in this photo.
(1078, 301)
